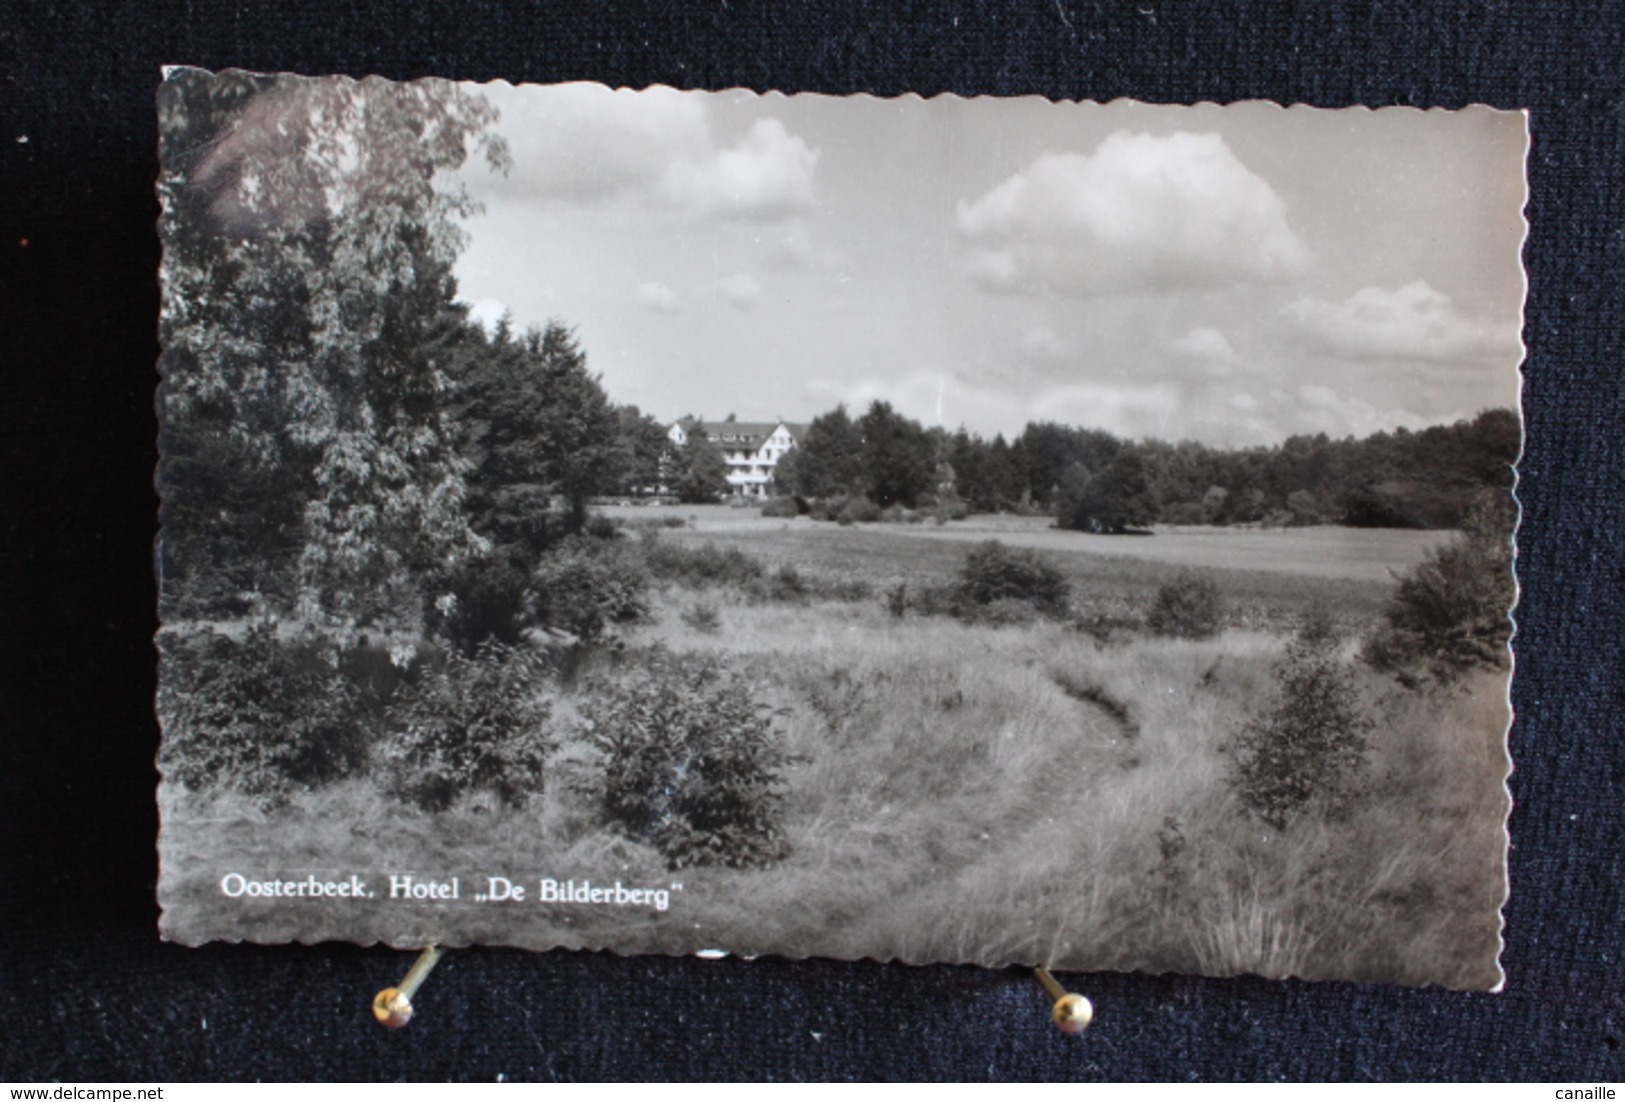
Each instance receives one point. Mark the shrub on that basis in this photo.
(780, 507)
(858, 508)
(1188, 607)
(787, 583)
(703, 617)
(262, 716)
(603, 527)
(689, 763)
(1308, 749)
(1449, 614)
(994, 572)
(586, 586)
(476, 724)
(827, 508)
(489, 600)
(702, 566)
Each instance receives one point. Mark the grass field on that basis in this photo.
(1265, 574)
(963, 792)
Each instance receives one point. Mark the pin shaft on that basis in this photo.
(393, 1005)
(420, 970)
(1051, 984)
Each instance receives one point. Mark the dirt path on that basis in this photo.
(981, 911)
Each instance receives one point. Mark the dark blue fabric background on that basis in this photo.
(88, 993)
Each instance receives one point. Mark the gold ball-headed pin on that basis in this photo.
(1072, 1012)
(393, 1005)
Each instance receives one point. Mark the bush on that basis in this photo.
(1188, 607)
(703, 617)
(788, 584)
(896, 600)
(489, 601)
(994, 573)
(262, 717)
(477, 724)
(1307, 751)
(780, 507)
(702, 566)
(689, 763)
(1449, 614)
(858, 508)
(586, 586)
(603, 527)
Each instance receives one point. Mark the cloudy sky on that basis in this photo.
(1232, 275)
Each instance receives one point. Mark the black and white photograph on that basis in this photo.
(977, 531)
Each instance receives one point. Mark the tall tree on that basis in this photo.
(310, 232)
(829, 458)
(1052, 450)
(699, 473)
(1112, 500)
(642, 442)
(899, 457)
(545, 431)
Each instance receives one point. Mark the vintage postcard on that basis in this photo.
(988, 531)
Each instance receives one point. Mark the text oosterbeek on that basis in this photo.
(410, 887)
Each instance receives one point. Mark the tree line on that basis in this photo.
(1091, 479)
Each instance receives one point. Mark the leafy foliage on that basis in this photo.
(478, 723)
(542, 428)
(994, 573)
(780, 506)
(642, 445)
(689, 762)
(1113, 500)
(899, 457)
(488, 600)
(698, 472)
(857, 509)
(1449, 614)
(1188, 607)
(703, 617)
(700, 567)
(589, 586)
(1307, 751)
(263, 716)
(310, 228)
(828, 460)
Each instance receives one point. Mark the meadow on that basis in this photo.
(953, 790)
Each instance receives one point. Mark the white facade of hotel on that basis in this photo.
(752, 449)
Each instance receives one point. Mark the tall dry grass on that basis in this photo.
(958, 792)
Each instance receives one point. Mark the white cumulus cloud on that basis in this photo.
(1142, 213)
(1413, 323)
(740, 290)
(769, 174)
(657, 296)
(1204, 352)
(588, 144)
